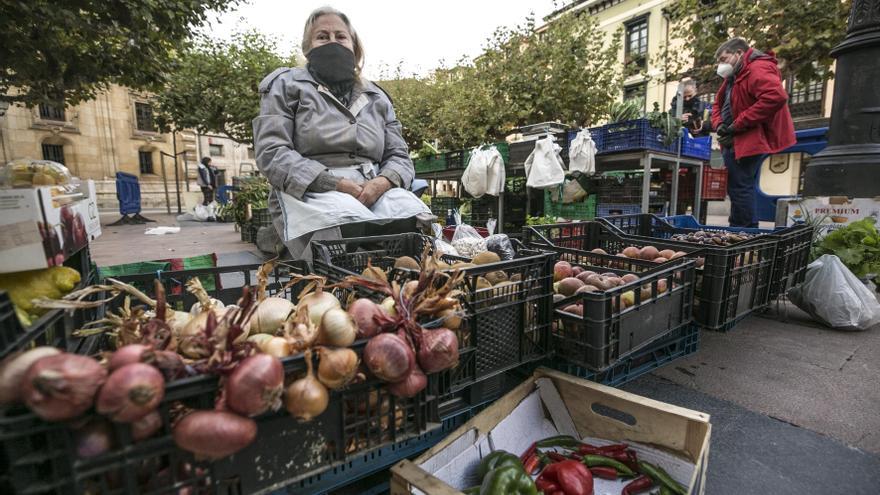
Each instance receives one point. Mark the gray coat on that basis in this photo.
(304, 130)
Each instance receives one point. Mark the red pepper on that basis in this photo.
(617, 447)
(556, 457)
(531, 464)
(637, 485)
(546, 486)
(587, 449)
(528, 453)
(604, 472)
(572, 478)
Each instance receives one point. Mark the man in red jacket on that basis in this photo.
(752, 120)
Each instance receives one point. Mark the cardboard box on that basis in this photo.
(835, 212)
(552, 403)
(43, 226)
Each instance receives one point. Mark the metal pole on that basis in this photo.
(679, 109)
(176, 172)
(165, 183)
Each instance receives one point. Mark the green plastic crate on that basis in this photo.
(432, 163)
(502, 147)
(584, 210)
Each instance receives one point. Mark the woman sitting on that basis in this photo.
(330, 145)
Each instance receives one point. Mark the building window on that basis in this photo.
(251, 153)
(52, 111)
(636, 92)
(805, 97)
(143, 113)
(54, 152)
(145, 158)
(636, 55)
(216, 149)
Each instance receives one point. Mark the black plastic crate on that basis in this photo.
(260, 217)
(54, 326)
(792, 258)
(502, 327)
(520, 151)
(607, 332)
(440, 205)
(455, 159)
(678, 343)
(734, 280)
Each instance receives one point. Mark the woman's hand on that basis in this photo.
(349, 187)
(373, 189)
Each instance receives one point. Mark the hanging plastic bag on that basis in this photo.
(834, 296)
(582, 153)
(484, 173)
(544, 166)
(572, 192)
(440, 243)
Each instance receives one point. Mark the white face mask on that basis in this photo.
(724, 70)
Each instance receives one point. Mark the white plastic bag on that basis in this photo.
(440, 243)
(484, 173)
(544, 166)
(834, 296)
(467, 241)
(582, 153)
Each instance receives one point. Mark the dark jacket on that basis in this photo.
(696, 125)
(758, 102)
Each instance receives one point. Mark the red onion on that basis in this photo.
(169, 363)
(255, 385)
(146, 427)
(127, 354)
(214, 434)
(364, 312)
(389, 357)
(438, 350)
(63, 386)
(414, 383)
(93, 439)
(13, 369)
(131, 392)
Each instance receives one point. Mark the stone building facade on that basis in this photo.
(115, 132)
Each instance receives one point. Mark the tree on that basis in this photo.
(801, 34)
(214, 86)
(65, 50)
(568, 72)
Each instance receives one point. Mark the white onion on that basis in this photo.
(318, 303)
(337, 328)
(270, 315)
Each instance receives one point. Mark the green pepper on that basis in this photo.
(497, 459)
(665, 490)
(661, 477)
(559, 441)
(474, 490)
(601, 460)
(508, 480)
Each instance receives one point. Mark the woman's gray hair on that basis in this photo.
(355, 39)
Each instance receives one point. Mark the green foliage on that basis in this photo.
(566, 73)
(801, 34)
(64, 50)
(669, 126)
(214, 86)
(254, 192)
(857, 245)
(624, 110)
(545, 220)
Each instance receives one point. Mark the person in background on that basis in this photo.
(330, 145)
(751, 118)
(207, 180)
(692, 110)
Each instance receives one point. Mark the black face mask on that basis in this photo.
(332, 62)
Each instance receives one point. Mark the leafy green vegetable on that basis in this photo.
(669, 126)
(857, 245)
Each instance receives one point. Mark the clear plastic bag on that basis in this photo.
(500, 244)
(440, 243)
(24, 173)
(466, 240)
(834, 296)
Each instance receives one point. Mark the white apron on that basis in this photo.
(319, 215)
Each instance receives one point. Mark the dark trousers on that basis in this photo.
(741, 178)
(208, 193)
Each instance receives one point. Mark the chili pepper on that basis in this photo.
(528, 453)
(497, 459)
(665, 490)
(474, 490)
(598, 460)
(640, 484)
(508, 479)
(625, 458)
(587, 449)
(617, 447)
(559, 441)
(661, 477)
(604, 472)
(531, 463)
(570, 476)
(556, 457)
